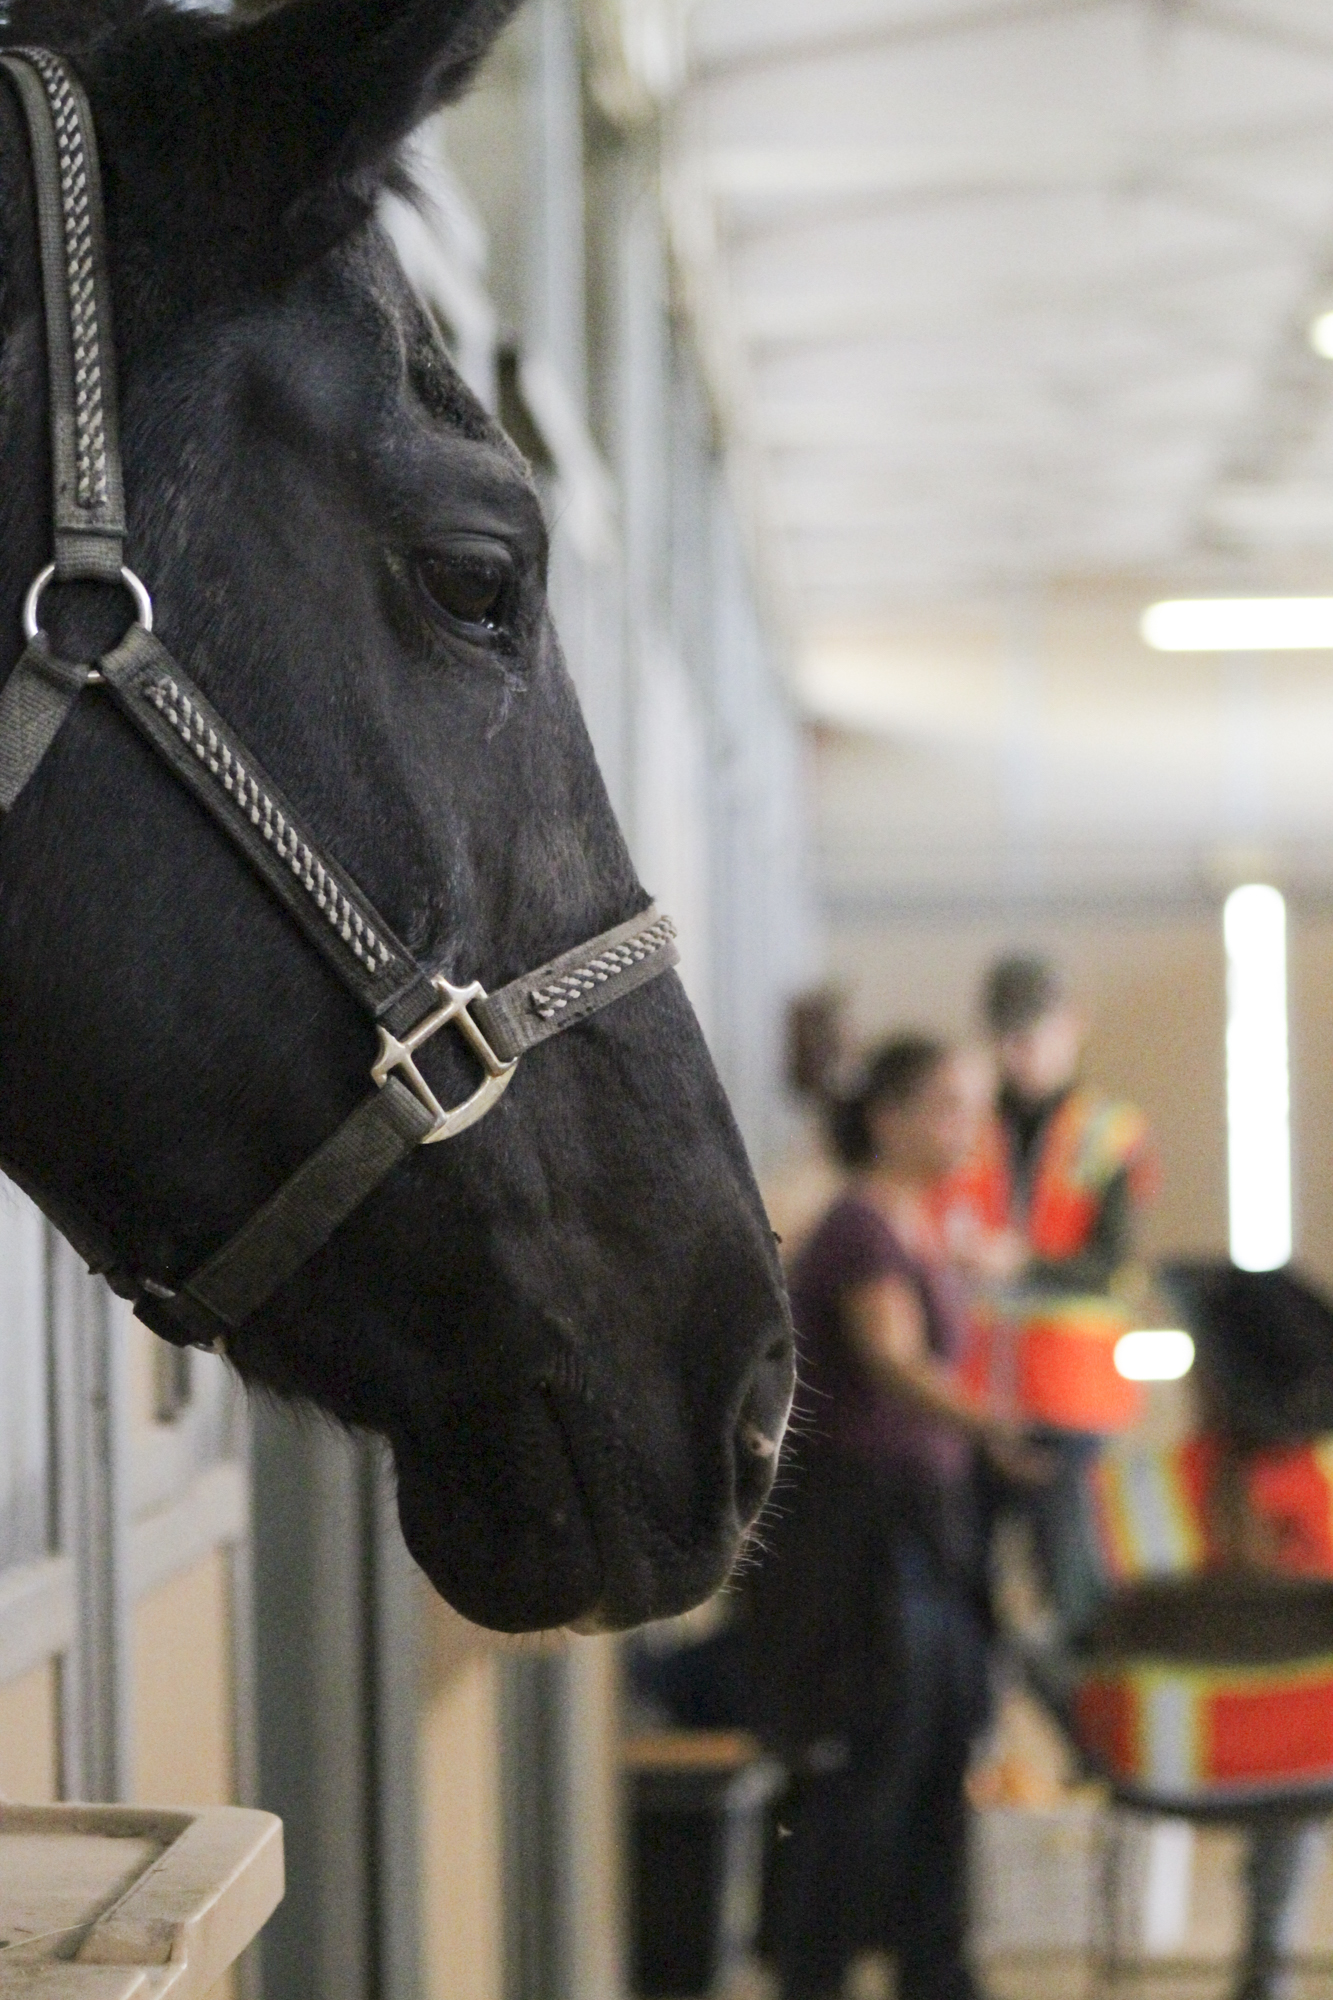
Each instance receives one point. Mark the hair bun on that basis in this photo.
(894, 1074)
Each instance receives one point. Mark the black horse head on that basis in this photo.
(568, 1321)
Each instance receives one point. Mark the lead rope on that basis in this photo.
(408, 1002)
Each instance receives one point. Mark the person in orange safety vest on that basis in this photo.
(1043, 1216)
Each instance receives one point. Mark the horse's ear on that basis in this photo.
(343, 81)
(291, 118)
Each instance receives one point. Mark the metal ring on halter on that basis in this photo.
(143, 603)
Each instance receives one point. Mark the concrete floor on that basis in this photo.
(1199, 1969)
(1041, 1877)
(1066, 1976)
(1071, 1978)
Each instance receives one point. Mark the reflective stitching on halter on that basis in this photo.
(217, 756)
(90, 484)
(548, 1001)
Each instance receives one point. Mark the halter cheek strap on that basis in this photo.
(89, 499)
(407, 1001)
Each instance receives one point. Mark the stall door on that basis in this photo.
(124, 1521)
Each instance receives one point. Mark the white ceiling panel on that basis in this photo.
(1012, 298)
(1033, 264)
(738, 33)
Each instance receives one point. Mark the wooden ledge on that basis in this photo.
(690, 1750)
(128, 1902)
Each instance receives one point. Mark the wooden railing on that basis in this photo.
(130, 1902)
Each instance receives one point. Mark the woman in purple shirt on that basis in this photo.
(869, 1622)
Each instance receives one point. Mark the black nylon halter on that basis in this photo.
(407, 1001)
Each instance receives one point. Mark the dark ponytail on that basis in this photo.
(893, 1076)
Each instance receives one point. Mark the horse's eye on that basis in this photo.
(470, 585)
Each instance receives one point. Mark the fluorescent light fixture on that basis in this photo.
(1154, 1354)
(1321, 334)
(1254, 926)
(1239, 625)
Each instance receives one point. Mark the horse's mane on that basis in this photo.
(66, 24)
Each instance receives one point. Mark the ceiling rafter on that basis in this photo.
(815, 321)
(1057, 328)
(821, 43)
(1241, 20)
(1054, 177)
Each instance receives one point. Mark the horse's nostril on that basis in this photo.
(757, 1442)
(761, 1423)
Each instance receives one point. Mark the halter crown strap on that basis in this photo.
(408, 1001)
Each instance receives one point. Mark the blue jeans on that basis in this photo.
(1281, 1856)
(876, 1857)
(1063, 1534)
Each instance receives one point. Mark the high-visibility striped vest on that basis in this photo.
(1205, 1733)
(1050, 1358)
(1155, 1513)
(1209, 1731)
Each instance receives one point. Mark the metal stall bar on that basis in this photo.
(91, 1482)
(338, 1699)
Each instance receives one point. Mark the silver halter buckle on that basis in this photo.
(396, 1054)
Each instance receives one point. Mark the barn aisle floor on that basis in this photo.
(1066, 1976)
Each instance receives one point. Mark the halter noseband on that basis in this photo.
(407, 1001)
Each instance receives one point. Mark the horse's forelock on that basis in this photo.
(238, 150)
(68, 25)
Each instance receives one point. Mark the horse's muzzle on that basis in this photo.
(495, 1515)
(565, 1505)
(667, 1541)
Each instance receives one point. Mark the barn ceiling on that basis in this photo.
(1019, 287)
(1005, 296)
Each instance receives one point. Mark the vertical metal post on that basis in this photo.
(591, 1830)
(25, 1375)
(536, 1942)
(556, 315)
(561, 1843)
(335, 1604)
(248, 1973)
(241, 1605)
(312, 1702)
(634, 283)
(393, 1644)
(91, 1500)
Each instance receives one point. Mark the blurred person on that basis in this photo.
(807, 1179)
(1043, 1214)
(868, 1628)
